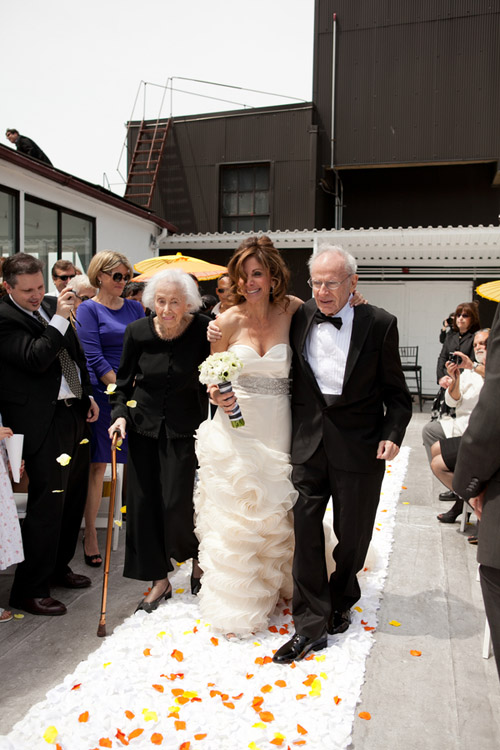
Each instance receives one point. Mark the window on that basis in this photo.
(51, 233)
(244, 198)
(9, 218)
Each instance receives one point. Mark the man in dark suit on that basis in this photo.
(477, 476)
(350, 409)
(26, 146)
(45, 394)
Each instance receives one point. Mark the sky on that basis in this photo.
(71, 71)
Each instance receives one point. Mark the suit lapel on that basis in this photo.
(361, 326)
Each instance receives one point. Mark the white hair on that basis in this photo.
(181, 280)
(335, 250)
(81, 282)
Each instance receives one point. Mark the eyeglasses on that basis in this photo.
(330, 285)
(65, 276)
(118, 276)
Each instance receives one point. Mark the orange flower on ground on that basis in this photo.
(156, 738)
(180, 724)
(266, 716)
(177, 691)
(185, 746)
(277, 741)
(75, 687)
(287, 611)
(299, 742)
(228, 704)
(200, 736)
(249, 676)
(147, 652)
(368, 627)
(415, 653)
(237, 697)
(301, 730)
(284, 630)
(280, 683)
(105, 742)
(129, 714)
(364, 715)
(160, 688)
(266, 688)
(215, 641)
(83, 717)
(299, 696)
(135, 733)
(337, 700)
(273, 629)
(177, 655)
(310, 680)
(364, 622)
(121, 736)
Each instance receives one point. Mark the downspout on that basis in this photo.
(338, 181)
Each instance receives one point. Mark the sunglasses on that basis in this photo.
(84, 297)
(118, 276)
(65, 276)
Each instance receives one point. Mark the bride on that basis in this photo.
(244, 494)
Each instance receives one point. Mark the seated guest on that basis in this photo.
(101, 324)
(462, 394)
(160, 403)
(45, 394)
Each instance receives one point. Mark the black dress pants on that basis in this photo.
(490, 586)
(56, 501)
(160, 513)
(355, 498)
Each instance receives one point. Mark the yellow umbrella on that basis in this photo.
(490, 290)
(203, 270)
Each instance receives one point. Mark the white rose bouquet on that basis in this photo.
(218, 369)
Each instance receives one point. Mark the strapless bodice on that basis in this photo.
(275, 363)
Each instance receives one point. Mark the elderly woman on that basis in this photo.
(160, 403)
(101, 324)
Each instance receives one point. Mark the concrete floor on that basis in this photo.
(448, 698)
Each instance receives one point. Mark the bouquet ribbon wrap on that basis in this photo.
(235, 416)
(218, 369)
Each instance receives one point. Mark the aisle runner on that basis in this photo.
(166, 680)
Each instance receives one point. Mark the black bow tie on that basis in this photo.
(320, 317)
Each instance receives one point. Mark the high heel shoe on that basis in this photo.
(195, 585)
(151, 606)
(93, 561)
(451, 515)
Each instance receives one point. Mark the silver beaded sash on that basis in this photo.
(265, 386)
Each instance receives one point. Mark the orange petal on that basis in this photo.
(195, 629)
(266, 688)
(228, 704)
(181, 701)
(299, 696)
(129, 714)
(309, 658)
(259, 660)
(147, 652)
(293, 665)
(278, 741)
(258, 700)
(83, 717)
(156, 738)
(280, 683)
(273, 629)
(224, 696)
(249, 676)
(215, 641)
(299, 742)
(180, 724)
(237, 697)
(160, 688)
(266, 716)
(287, 611)
(368, 627)
(310, 680)
(177, 655)
(301, 730)
(177, 691)
(210, 684)
(135, 733)
(267, 660)
(364, 715)
(75, 687)
(105, 742)
(337, 700)
(121, 736)
(283, 630)
(364, 622)
(185, 746)
(200, 736)
(415, 653)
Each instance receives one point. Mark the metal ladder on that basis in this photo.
(145, 163)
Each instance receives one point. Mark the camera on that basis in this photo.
(455, 358)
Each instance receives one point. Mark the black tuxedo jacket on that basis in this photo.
(479, 453)
(30, 372)
(375, 403)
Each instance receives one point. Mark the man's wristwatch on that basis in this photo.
(475, 365)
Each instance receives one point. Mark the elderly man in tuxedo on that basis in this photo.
(45, 394)
(477, 477)
(350, 409)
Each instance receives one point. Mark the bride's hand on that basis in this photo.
(213, 332)
(226, 401)
(357, 299)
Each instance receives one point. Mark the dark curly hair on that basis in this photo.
(263, 250)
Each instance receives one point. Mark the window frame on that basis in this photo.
(225, 166)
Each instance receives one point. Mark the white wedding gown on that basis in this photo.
(244, 498)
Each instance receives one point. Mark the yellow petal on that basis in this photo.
(358, 609)
(279, 736)
(405, 503)
(190, 694)
(321, 657)
(84, 441)
(123, 509)
(131, 404)
(149, 715)
(118, 523)
(179, 591)
(50, 734)
(323, 675)
(106, 664)
(161, 634)
(110, 389)
(19, 617)
(395, 623)
(63, 459)
(259, 725)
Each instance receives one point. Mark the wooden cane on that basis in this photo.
(101, 630)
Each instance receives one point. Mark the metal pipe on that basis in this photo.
(332, 125)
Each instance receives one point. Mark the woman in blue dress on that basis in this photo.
(101, 324)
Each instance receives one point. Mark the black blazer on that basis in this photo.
(479, 454)
(162, 377)
(30, 371)
(375, 403)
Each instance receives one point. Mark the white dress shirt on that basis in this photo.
(326, 350)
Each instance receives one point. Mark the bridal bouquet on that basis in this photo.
(218, 369)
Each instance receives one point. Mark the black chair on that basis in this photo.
(411, 369)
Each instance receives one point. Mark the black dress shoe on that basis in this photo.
(448, 495)
(44, 606)
(72, 580)
(195, 585)
(339, 621)
(298, 647)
